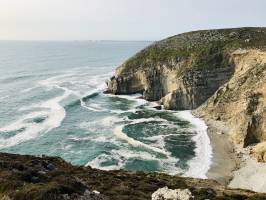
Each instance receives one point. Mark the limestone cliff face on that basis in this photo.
(241, 102)
(177, 89)
(221, 73)
(185, 69)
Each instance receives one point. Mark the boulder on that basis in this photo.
(168, 194)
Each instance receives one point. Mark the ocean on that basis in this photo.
(52, 103)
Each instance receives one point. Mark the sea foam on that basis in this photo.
(200, 164)
(121, 135)
(54, 112)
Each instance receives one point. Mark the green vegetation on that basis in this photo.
(64, 181)
(200, 49)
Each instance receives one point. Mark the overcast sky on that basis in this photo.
(122, 19)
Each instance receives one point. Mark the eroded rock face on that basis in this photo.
(195, 87)
(241, 101)
(260, 151)
(129, 84)
(186, 91)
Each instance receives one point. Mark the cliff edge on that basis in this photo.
(220, 73)
(49, 178)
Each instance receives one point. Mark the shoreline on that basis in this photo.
(232, 165)
(200, 164)
(224, 160)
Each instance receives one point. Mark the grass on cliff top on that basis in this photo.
(204, 49)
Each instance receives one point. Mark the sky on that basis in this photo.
(122, 19)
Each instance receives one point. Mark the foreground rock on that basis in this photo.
(168, 194)
(221, 73)
(64, 181)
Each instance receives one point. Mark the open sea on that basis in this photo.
(52, 103)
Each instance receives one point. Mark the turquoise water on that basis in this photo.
(52, 103)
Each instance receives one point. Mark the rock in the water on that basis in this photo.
(169, 194)
(159, 107)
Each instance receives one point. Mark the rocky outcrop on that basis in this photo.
(28, 177)
(195, 87)
(168, 194)
(189, 67)
(220, 73)
(241, 101)
(260, 151)
(189, 89)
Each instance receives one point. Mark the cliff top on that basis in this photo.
(201, 47)
(29, 177)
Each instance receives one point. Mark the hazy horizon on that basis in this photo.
(121, 20)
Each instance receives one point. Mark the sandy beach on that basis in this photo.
(224, 160)
(233, 165)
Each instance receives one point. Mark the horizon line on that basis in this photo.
(73, 40)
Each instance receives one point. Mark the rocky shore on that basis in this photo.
(220, 75)
(42, 178)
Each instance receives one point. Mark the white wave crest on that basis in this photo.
(151, 119)
(4, 97)
(200, 164)
(55, 116)
(29, 89)
(118, 131)
(137, 98)
(54, 112)
(122, 156)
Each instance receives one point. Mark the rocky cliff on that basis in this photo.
(221, 73)
(241, 101)
(49, 178)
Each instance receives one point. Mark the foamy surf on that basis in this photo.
(118, 131)
(122, 156)
(136, 98)
(200, 164)
(92, 106)
(125, 143)
(4, 97)
(54, 112)
(54, 118)
(29, 89)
